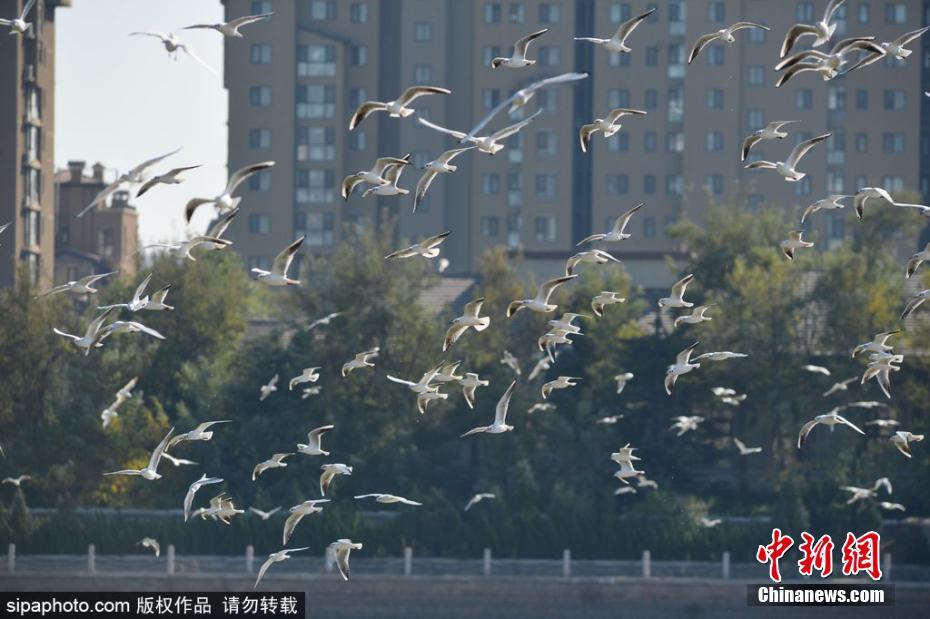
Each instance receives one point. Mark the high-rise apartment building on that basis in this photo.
(295, 80)
(27, 175)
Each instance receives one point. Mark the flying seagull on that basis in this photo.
(743, 450)
(314, 442)
(225, 201)
(895, 49)
(263, 514)
(19, 25)
(268, 388)
(816, 369)
(491, 143)
(178, 461)
(787, 169)
(828, 203)
(389, 187)
(518, 59)
(341, 549)
(139, 298)
(878, 344)
(682, 365)
(423, 399)
(880, 367)
(374, 176)
(622, 380)
(387, 499)
(324, 321)
(150, 472)
(134, 175)
(148, 542)
(724, 35)
(771, 131)
(469, 384)
(902, 441)
(397, 108)
(329, 472)
(276, 461)
(428, 247)
(184, 248)
(168, 178)
(127, 326)
(697, 316)
(793, 243)
(16, 481)
(307, 508)
(618, 232)
(92, 335)
(156, 301)
(609, 125)
(840, 386)
(625, 458)
(173, 45)
(511, 361)
(478, 498)
(829, 419)
(230, 29)
(592, 256)
(499, 425)
(914, 262)
(562, 382)
(282, 263)
(822, 31)
(541, 302)
(440, 165)
(361, 360)
(275, 557)
(80, 286)
(307, 375)
(617, 43)
(602, 300)
(470, 318)
(194, 487)
(676, 296)
(686, 423)
(200, 433)
(218, 229)
(720, 355)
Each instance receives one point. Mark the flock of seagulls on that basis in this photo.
(383, 178)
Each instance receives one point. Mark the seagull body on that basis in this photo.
(92, 335)
(469, 384)
(787, 169)
(608, 125)
(883, 423)
(109, 414)
(625, 458)
(194, 487)
(470, 318)
(541, 407)
(896, 49)
(721, 355)
(793, 243)
(510, 361)
(275, 557)
(341, 549)
(602, 300)
(80, 286)
(307, 508)
(148, 542)
(184, 248)
(829, 203)
(914, 302)
(374, 176)
(139, 298)
(16, 481)
(282, 262)
(230, 29)
(609, 420)
(307, 375)
(423, 399)
(446, 373)
(840, 386)
(200, 433)
(622, 380)
(275, 462)
(329, 472)
(314, 442)
(565, 323)
(697, 316)
(685, 423)
(389, 187)
(902, 441)
(828, 65)
(676, 296)
(682, 365)
(541, 302)
(743, 450)
(397, 108)
(542, 365)
(593, 256)
(724, 35)
(19, 25)
(150, 472)
(268, 388)
(478, 498)
(518, 59)
(821, 31)
(387, 499)
(421, 386)
(265, 515)
(709, 523)
(880, 368)
(133, 176)
(440, 165)
(617, 43)
(168, 178)
(428, 248)
(499, 425)
(218, 229)
(178, 461)
(828, 419)
(562, 382)
(916, 260)
(490, 143)
(361, 360)
(816, 369)
(618, 232)
(891, 506)
(225, 201)
(173, 45)
(156, 302)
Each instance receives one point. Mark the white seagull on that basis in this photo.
(263, 514)
(896, 49)
(230, 29)
(622, 380)
(499, 425)
(150, 472)
(80, 286)
(324, 321)
(562, 382)
(625, 458)
(423, 399)
(840, 386)
(194, 487)
(828, 419)
(511, 361)
(148, 542)
(829, 203)
(329, 472)
(16, 481)
(225, 202)
(902, 441)
(128, 326)
(743, 450)
(19, 25)
(307, 508)
(682, 365)
(489, 144)
(469, 384)
(828, 65)
(133, 176)
(602, 300)
(880, 367)
(341, 549)
(721, 355)
(374, 176)
(361, 360)
(609, 125)
(793, 243)
(470, 318)
(156, 301)
(184, 248)
(314, 445)
(592, 256)
(428, 247)
(676, 296)
(139, 298)
(618, 232)
(518, 59)
(389, 187)
(724, 35)
(686, 423)
(168, 178)
(478, 498)
(276, 461)
(387, 498)
(397, 108)
(816, 369)
(617, 43)
(200, 433)
(92, 335)
(787, 168)
(173, 45)
(268, 388)
(697, 316)
(307, 375)
(541, 302)
(282, 263)
(440, 165)
(914, 302)
(275, 557)
(771, 131)
(914, 262)
(822, 31)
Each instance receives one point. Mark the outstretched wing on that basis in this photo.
(520, 47)
(243, 173)
(500, 412)
(282, 261)
(628, 27)
(701, 43)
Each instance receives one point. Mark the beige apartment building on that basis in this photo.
(295, 80)
(27, 139)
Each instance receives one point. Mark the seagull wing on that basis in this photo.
(520, 47)
(26, 9)
(685, 356)
(904, 39)
(509, 131)
(831, 9)
(241, 174)
(282, 261)
(159, 450)
(805, 431)
(423, 186)
(615, 114)
(290, 524)
(363, 111)
(750, 141)
(500, 412)
(628, 27)
(187, 50)
(140, 289)
(678, 289)
(453, 133)
(801, 149)
(702, 42)
(794, 33)
(101, 197)
(247, 19)
(849, 423)
(263, 569)
(145, 165)
(418, 91)
(548, 287)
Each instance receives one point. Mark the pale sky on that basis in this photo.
(121, 100)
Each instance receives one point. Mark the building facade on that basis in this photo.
(105, 239)
(295, 80)
(27, 141)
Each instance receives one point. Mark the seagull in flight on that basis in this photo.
(157, 303)
(139, 298)
(891, 506)
(16, 481)
(263, 514)
(793, 243)
(602, 300)
(200, 433)
(592, 256)
(697, 316)
(184, 248)
(225, 201)
(609, 125)
(324, 321)
(618, 232)
(341, 549)
(150, 471)
(831, 419)
(307, 375)
(499, 425)
(428, 247)
(896, 49)
(375, 176)
(625, 458)
(676, 296)
(882, 423)
(92, 336)
(314, 446)
(822, 31)
(329, 472)
(194, 487)
(173, 45)
(230, 29)
(421, 386)
(148, 542)
(19, 25)
(721, 355)
(684, 423)
(914, 262)
(80, 286)
(469, 384)
(268, 388)
(829, 203)
(478, 498)
(816, 369)
(682, 365)
(276, 461)
(771, 131)
(541, 302)
(440, 165)
(389, 187)
(914, 302)
(788, 168)
(743, 450)
(277, 276)
(489, 144)
(133, 176)
(128, 326)
(275, 557)
(423, 399)
(880, 367)
(617, 43)
(387, 499)
(178, 461)
(168, 178)
(361, 360)
(470, 318)
(840, 386)
(511, 361)
(622, 380)
(902, 441)
(828, 65)
(307, 508)
(562, 382)
(724, 35)
(878, 344)
(518, 59)
(397, 108)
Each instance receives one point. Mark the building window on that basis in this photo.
(33, 143)
(715, 98)
(893, 143)
(713, 141)
(323, 9)
(316, 144)
(358, 13)
(618, 184)
(548, 55)
(864, 13)
(320, 229)
(358, 140)
(675, 142)
(714, 184)
(755, 119)
(652, 56)
(260, 96)
(674, 185)
(489, 53)
(316, 60)
(893, 183)
(358, 55)
(803, 187)
(260, 181)
(422, 73)
(758, 35)
(649, 184)
(545, 229)
(259, 224)
(260, 262)
(423, 31)
(515, 148)
(514, 222)
(676, 60)
(649, 227)
(517, 13)
(546, 186)
(804, 99)
(804, 12)
(862, 99)
(650, 142)
(716, 12)
(754, 202)
(260, 53)
(676, 104)
(620, 12)
(490, 183)
(836, 99)
(616, 59)
(32, 225)
(618, 97)
(259, 139)
(315, 186)
(835, 182)
(260, 7)
(862, 143)
(489, 226)
(33, 185)
(619, 143)
(651, 99)
(514, 193)
(549, 13)
(756, 75)
(716, 56)
(357, 96)
(492, 12)
(548, 100)
(895, 13)
(894, 99)
(33, 103)
(546, 143)
(316, 101)
(490, 97)
(677, 16)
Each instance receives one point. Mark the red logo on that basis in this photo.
(860, 554)
(773, 552)
(816, 555)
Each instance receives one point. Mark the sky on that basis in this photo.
(121, 100)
